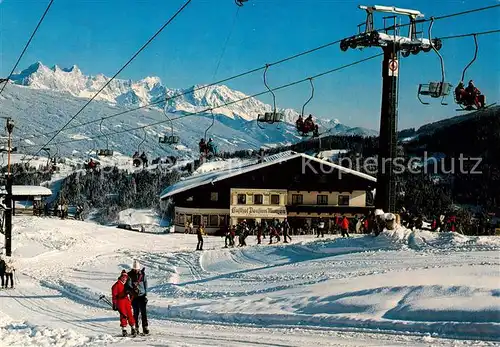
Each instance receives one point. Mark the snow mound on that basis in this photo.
(138, 217)
(427, 240)
(22, 334)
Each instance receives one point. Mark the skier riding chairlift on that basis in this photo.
(306, 126)
(469, 96)
(211, 147)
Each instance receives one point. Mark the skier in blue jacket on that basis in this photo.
(137, 285)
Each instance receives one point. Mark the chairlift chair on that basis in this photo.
(439, 89)
(466, 104)
(304, 131)
(271, 117)
(434, 90)
(274, 116)
(169, 139)
(104, 152)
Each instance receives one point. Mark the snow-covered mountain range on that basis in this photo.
(64, 88)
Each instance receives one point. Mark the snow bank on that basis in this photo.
(22, 334)
(427, 240)
(138, 217)
(401, 282)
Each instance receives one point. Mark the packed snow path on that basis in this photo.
(400, 289)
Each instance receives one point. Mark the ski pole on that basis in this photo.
(106, 300)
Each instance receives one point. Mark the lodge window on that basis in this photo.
(369, 198)
(214, 219)
(222, 221)
(257, 199)
(189, 218)
(242, 199)
(181, 219)
(275, 199)
(297, 199)
(343, 200)
(214, 196)
(322, 200)
(196, 220)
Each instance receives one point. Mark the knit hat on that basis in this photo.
(136, 265)
(389, 216)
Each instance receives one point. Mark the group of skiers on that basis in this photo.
(7, 271)
(129, 298)
(275, 230)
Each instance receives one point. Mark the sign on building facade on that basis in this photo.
(258, 203)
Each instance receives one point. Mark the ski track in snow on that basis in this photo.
(402, 288)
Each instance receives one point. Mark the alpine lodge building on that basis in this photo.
(289, 185)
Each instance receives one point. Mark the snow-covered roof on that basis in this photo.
(28, 191)
(216, 176)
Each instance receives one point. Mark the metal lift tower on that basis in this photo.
(392, 44)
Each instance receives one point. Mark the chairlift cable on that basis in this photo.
(228, 103)
(219, 61)
(27, 44)
(274, 63)
(480, 9)
(470, 34)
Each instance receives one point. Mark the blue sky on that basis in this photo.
(99, 36)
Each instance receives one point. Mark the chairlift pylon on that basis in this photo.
(169, 139)
(104, 152)
(270, 117)
(439, 89)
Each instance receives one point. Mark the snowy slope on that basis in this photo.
(401, 289)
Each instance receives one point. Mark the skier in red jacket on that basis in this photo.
(122, 304)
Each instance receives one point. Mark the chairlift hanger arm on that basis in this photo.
(143, 140)
(310, 98)
(476, 50)
(270, 90)
(213, 121)
(433, 46)
(169, 119)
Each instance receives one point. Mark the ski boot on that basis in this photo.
(145, 330)
(133, 332)
(124, 332)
